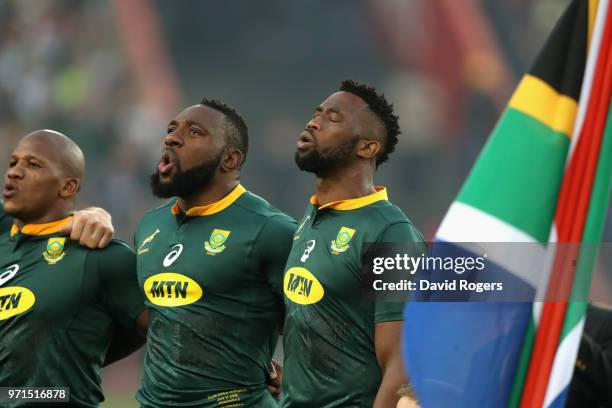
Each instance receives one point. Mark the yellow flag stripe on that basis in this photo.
(593, 5)
(539, 100)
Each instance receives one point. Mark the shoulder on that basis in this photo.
(116, 256)
(388, 212)
(263, 211)
(116, 247)
(393, 224)
(164, 209)
(155, 215)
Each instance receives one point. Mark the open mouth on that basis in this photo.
(305, 141)
(9, 190)
(165, 164)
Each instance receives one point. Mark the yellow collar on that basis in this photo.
(41, 229)
(214, 207)
(354, 203)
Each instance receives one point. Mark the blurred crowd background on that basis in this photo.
(111, 74)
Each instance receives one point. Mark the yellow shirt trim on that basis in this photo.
(214, 207)
(41, 229)
(354, 203)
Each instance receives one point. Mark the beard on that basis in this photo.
(322, 164)
(185, 183)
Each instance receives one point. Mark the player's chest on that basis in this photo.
(325, 260)
(179, 263)
(43, 280)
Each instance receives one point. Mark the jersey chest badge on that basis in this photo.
(54, 251)
(341, 243)
(216, 243)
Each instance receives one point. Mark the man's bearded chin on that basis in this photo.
(185, 183)
(324, 164)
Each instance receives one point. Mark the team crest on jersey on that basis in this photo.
(341, 243)
(55, 250)
(216, 243)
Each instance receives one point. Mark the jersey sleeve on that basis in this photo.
(121, 294)
(412, 241)
(272, 249)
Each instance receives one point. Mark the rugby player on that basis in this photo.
(210, 262)
(341, 349)
(60, 303)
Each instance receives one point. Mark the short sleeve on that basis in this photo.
(272, 248)
(411, 239)
(121, 293)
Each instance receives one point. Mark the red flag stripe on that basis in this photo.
(570, 218)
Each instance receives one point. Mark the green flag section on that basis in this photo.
(477, 354)
(527, 151)
(529, 156)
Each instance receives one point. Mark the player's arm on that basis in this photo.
(126, 341)
(389, 355)
(92, 227)
(123, 299)
(389, 318)
(273, 245)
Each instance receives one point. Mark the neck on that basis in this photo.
(49, 216)
(350, 182)
(212, 193)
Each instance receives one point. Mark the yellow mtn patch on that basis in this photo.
(15, 300)
(171, 289)
(302, 287)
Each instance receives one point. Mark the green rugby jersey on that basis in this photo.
(212, 278)
(60, 304)
(330, 358)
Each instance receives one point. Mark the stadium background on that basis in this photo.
(111, 74)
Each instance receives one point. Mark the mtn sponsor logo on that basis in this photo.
(171, 289)
(15, 300)
(302, 287)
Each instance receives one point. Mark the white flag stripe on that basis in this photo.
(563, 366)
(465, 224)
(589, 73)
(565, 356)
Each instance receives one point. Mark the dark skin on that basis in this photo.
(341, 117)
(92, 227)
(41, 186)
(196, 135)
(42, 180)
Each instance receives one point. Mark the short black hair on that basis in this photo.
(382, 110)
(237, 131)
